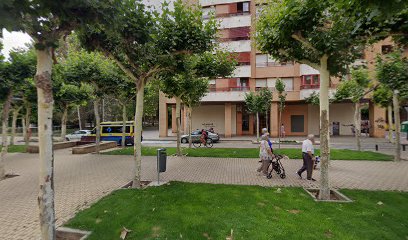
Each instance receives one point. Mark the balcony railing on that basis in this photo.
(310, 86)
(273, 64)
(229, 89)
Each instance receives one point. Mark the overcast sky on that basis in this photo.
(19, 39)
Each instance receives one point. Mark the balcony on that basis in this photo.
(308, 70)
(206, 3)
(310, 86)
(242, 71)
(230, 94)
(236, 46)
(235, 21)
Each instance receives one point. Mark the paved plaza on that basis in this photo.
(81, 180)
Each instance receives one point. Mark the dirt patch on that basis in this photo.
(63, 233)
(294, 211)
(10, 175)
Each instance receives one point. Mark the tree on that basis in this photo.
(355, 89)
(130, 39)
(96, 71)
(267, 97)
(46, 22)
(68, 96)
(315, 33)
(191, 69)
(254, 104)
(280, 88)
(382, 96)
(196, 88)
(12, 77)
(392, 71)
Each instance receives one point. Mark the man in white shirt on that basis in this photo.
(308, 157)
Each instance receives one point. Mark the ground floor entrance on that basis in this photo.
(298, 119)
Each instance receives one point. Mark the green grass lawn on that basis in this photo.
(205, 211)
(336, 154)
(15, 148)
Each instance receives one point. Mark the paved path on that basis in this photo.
(81, 180)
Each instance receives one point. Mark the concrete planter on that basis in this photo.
(335, 196)
(64, 233)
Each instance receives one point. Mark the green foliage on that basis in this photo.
(254, 102)
(73, 95)
(355, 88)
(46, 21)
(382, 96)
(280, 88)
(306, 30)
(151, 99)
(91, 68)
(392, 71)
(195, 89)
(313, 99)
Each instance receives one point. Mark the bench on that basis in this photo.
(90, 148)
(56, 146)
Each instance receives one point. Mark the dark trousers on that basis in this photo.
(307, 165)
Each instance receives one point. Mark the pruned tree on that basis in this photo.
(46, 22)
(315, 33)
(13, 74)
(280, 88)
(355, 90)
(192, 68)
(68, 96)
(382, 96)
(392, 71)
(255, 105)
(100, 75)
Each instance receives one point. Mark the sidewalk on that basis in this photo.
(81, 180)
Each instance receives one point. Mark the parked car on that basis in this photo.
(195, 136)
(77, 135)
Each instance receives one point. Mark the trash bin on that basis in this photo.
(161, 159)
(404, 126)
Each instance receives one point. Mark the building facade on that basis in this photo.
(223, 107)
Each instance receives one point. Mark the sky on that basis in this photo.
(19, 40)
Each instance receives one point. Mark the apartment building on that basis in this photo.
(223, 108)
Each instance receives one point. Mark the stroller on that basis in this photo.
(277, 167)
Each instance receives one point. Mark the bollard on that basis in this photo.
(376, 147)
(161, 162)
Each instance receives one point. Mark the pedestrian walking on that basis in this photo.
(282, 131)
(308, 157)
(265, 155)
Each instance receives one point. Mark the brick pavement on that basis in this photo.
(82, 180)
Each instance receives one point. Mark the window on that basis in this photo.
(114, 129)
(243, 7)
(287, 81)
(385, 49)
(265, 60)
(310, 81)
(243, 82)
(297, 123)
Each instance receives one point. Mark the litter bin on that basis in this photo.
(161, 160)
(404, 126)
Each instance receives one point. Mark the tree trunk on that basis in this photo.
(257, 126)
(190, 140)
(324, 193)
(266, 118)
(390, 131)
(98, 126)
(27, 124)
(397, 126)
(79, 118)
(14, 124)
(357, 124)
(5, 118)
(124, 119)
(178, 119)
(64, 123)
(138, 136)
(23, 123)
(187, 125)
(279, 125)
(45, 110)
